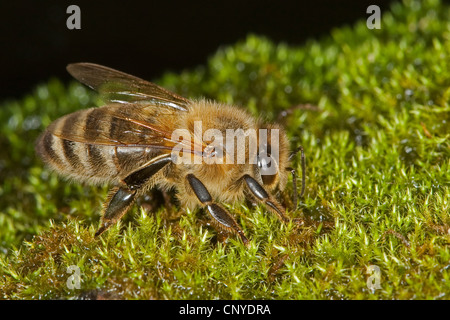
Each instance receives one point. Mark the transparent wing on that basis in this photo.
(117, 86)
(124, 125)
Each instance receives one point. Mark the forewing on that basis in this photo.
(117, 86)
(122, 125)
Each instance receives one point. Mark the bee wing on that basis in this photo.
(117, 86)
(122, 125)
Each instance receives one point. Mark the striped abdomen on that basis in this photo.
(98, 145)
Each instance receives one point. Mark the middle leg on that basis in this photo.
(221, 216)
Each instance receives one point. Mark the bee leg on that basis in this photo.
(262, 195)
(221, 215)
(119, 204)
(123, 198)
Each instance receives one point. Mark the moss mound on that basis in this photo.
(370, 107)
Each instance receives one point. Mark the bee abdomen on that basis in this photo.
(70, 147)
(45, 148)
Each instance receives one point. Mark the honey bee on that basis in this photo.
(129, 144)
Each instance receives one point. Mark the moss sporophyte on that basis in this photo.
(370, 108)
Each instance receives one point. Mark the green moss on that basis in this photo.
(370, 107)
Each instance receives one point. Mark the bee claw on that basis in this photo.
(244, 239)
(102, 229)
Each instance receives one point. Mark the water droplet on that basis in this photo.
(240, 66)
(288, 89)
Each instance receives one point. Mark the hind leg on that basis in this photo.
(121, 199)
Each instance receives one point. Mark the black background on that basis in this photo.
(148, 38)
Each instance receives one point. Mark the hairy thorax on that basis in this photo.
(222, 175)
(221, 179)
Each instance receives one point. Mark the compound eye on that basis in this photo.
(267, 168)
(264, 163)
